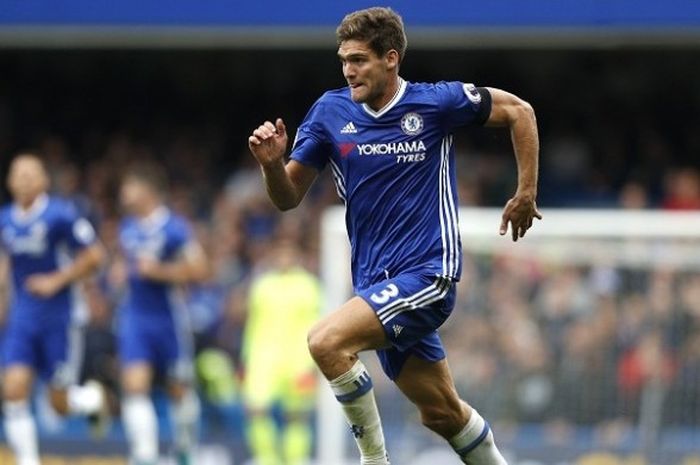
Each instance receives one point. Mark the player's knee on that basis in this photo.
(15, 389)
(315, 342)
(323, 342)
(12, 392)
(136, 380)
(135, 387)
(443, 421)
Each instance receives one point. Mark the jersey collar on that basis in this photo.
(37, 207)
(391, 104)
(156, 219)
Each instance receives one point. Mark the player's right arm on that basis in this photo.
(80, 236)
(189, 264)
(287, 183)
(86, 261)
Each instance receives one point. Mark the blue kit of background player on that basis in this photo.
(152, 324)
(38, 331)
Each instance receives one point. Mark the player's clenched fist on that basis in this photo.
(268, 142)
(44, 284)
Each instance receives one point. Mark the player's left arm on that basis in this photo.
(85, 262)
(190, 266)
(508, 110)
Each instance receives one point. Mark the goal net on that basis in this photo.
(580, 343)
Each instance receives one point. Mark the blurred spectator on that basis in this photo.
(682, 190)
(633, 196)
(647, 360)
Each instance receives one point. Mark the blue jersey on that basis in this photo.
(394, 169)
(162, 236)
(41, 240)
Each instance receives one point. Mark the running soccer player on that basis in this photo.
(160, 254)
(284, 301)
(48, 248)
(389, 146)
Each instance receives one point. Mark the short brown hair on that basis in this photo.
(148, 172)
(31, 155)
(382, 29)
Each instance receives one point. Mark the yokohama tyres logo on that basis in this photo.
(392, 148)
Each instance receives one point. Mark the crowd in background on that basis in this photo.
(569, 346)
(529, 343)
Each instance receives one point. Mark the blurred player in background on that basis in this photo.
(48, 247)
(283, 304)
(160, 254)
(389, 146)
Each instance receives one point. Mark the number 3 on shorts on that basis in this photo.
(387, 293)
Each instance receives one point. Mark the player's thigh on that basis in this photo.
(352, 328)
(19, 360)
(429, 385)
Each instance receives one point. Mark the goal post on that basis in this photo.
(337, 288)
(625, 241)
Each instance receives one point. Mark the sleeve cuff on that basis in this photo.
(484, 112)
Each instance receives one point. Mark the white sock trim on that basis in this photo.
(12, 408)
(352, 384)
(349, 375)
(473, 433)
(475, 443)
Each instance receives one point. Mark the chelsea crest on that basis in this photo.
(412, 124)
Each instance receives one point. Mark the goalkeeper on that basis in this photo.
(284, 302)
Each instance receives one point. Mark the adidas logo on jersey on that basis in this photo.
(397, 330)
(349, 128)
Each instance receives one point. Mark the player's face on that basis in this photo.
(135, 196)
(367, 73)
(286, 256)
(26, 180)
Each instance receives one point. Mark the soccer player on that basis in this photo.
(160, 254)
(389, 146)
(283, 303)
(48, 247)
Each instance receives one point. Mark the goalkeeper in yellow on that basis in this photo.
(283, 303)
